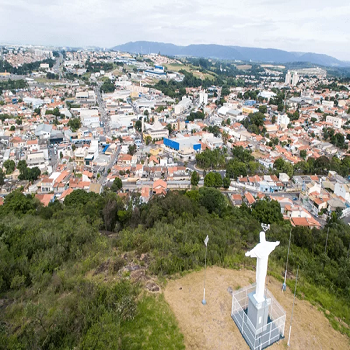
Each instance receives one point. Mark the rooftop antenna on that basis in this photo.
(291, 319)
(284, 285)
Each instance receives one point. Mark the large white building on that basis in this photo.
(292, 79)
(203, 98)
(182, 105)
(295, 79)
(283, 120)
(336, 121)
(89, 117)
(156, 131)
(328, 104)
(288, 78)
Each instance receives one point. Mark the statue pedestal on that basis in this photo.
(258, 313)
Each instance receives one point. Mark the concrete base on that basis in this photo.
(265, 338)
(258, 312)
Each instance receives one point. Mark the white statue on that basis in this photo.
(261, 251)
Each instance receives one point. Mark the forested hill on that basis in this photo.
(64, 285)
(231, 53)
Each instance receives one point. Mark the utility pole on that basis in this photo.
(291, 319)
(284, 286)
(205, 267)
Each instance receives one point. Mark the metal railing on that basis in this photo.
(264, 336)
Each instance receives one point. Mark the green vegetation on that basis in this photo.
(26, 173)
(53, 76)
(242, 163)
(49, 282)
(2, 177)
(194, 178)
(208, 159)
(74, 124)
(153, 327)
(98, 66)
(213, 180)
(107, 86)
(117, 184)
(255, 123)
(12, 85)
(10, 166)
(196, 115)
(337, 139)
(25, 68)
(322, 165)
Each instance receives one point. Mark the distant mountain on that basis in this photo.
(232, 53)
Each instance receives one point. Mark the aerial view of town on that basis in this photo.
(139, 182)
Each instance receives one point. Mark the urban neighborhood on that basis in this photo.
(97, 120)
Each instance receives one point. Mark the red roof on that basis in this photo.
(249, 198)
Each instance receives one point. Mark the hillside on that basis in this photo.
(211, 327)
(90, 273)
(231, 53)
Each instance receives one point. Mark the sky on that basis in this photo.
(319, 26)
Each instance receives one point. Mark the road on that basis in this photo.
(57, 66)
(102, 110)
(106, 130)
(103, 178)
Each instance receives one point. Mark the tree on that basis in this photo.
(148, 140)
(132, 149)
(212, 200)
(303, 153)
(169, 127)
(138, 125)
(255, 122)
(146, 113)
(267, 211)
(213, 180)
(107, 86)
(273, 120)
(194, 178)
(263, 109)
(12, 128)
(235, 168)
(226, 182)
(74, 124)
(117, 184)
(242, 154)
(21, 166)
(2, 177)
(9, 166)
(224, 137)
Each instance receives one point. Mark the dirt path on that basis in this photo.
(211, 327)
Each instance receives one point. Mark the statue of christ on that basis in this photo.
(261, 251)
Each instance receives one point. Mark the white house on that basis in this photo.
(335, 121)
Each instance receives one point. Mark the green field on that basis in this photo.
(189, 68)
(154, 327)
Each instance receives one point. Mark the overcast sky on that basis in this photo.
(320, 26)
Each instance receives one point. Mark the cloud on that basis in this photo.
(299, 25)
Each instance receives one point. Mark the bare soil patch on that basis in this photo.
(211, 326)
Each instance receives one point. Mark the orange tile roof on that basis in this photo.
(249, 198)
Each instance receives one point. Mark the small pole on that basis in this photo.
(205, 267)
(291, 319)
(284, 286)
